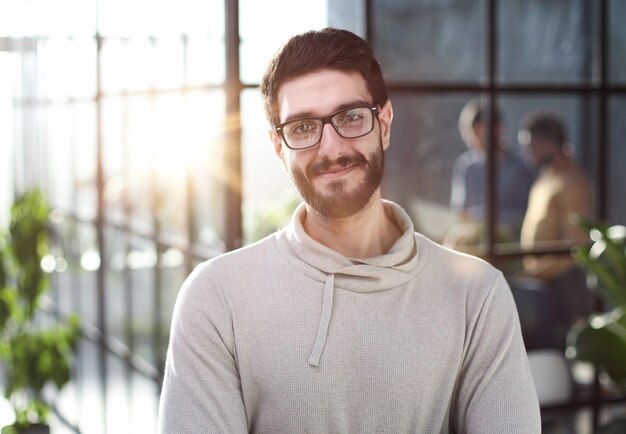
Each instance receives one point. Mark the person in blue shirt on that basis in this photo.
(513, 177)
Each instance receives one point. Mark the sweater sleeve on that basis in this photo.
(496, 392)
(201, 388)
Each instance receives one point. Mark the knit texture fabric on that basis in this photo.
(289, 336)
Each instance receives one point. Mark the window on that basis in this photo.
(144, 124)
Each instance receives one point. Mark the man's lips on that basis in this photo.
(336, 171)
(336, 168)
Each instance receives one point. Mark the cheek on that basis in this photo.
(291, 163)
(538, 153)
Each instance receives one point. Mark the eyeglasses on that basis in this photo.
(307, 132)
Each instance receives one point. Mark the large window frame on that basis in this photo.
(232, 217)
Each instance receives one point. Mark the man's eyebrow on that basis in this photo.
(340, 107)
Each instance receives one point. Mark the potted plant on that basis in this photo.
(601, 338)
(32, 356)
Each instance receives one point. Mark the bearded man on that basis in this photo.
(346, 320)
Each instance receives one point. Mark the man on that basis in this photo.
(514, 178)
(560, 195)
(345, 321)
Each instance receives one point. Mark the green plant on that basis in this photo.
(32, 356)
(601, 338)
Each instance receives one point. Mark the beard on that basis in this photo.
(338, 202)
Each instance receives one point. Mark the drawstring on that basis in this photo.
(322, 331)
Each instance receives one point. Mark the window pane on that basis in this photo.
(127, 65)
(616, 161)
(138, 63)
(169, 62)
(8, 65)
(67, 68)
(545, 221)
(84, 136)
(86, 249)
(90, 390)
(139, 18)
(269, 196)
(617, 40)
(205, 59)
(47, 18)
(29, 65)
(426, 142)
(430, 40)
(207, 175)
(259, 40)
(39, 156)
(141, 261)
(541, 41)
(62, 164)
(347, 14)
(158, 146)
(418, 164)
(116, 283)
(117, 396)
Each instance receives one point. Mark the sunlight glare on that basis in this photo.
(265, 25)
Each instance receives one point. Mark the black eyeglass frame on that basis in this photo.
(327, 120)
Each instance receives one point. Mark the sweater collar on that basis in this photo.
(401, 263)
(377, 273)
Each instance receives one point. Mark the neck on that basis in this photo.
(561, 161)
(370, 232)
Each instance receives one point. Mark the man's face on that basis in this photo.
(337, 177)
(479, 136)
(539, 152)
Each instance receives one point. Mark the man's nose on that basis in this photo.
(332, 145)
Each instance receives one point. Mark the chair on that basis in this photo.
(551, 375)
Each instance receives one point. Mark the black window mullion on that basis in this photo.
(232, 144)
(491, 196)
(100, 223)
(600, 174)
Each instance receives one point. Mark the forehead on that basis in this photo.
(320, 93)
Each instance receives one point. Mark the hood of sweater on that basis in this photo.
(390, 270)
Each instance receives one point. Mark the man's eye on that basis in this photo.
(302, 127)
(350, 116)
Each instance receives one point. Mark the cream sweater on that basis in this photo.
(288, 336)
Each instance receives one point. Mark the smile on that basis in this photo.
(337, 171)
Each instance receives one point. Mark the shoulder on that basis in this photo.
(514, 161)
(458, 270)
(469, 285)
(229, 269)
(245, 257)
(464, 160)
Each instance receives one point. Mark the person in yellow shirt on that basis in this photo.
(560, 195)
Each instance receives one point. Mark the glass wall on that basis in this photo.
(129, 116)
(517, 57)
(120, 112)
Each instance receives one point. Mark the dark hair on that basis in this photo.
(545, 125)
(328, 48)
(474, 113)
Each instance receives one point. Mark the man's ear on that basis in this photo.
(385, 117)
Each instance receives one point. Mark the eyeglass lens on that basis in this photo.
(351, 123)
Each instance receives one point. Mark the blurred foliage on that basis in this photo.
(601, 338)
(32, 357)
(268, 219)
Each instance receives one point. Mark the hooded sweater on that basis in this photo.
(289, 336)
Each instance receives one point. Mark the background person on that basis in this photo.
(560, 195)
(469, 191)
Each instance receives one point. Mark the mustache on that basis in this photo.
(343, 161)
